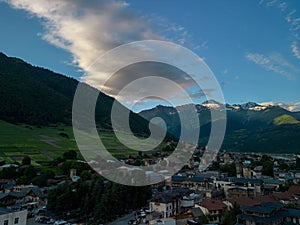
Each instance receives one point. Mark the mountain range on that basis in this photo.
(40, 97)
(251, 127)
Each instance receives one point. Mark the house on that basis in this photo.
(9, 217)
(273, 183)
(239, 187)
(6, 184)
(291, 196)
(257, 172)
(246, 201)
(268, 213)
(7, 166)
(24, 194)
(194, 181)
(237, 192)
(214, 209)
(293, 216)
(188, 201)
(11, 198)
(168, 203)
(215, 194)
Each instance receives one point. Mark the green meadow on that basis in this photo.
(43, 144)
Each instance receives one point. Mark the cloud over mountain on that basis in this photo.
(88, 29)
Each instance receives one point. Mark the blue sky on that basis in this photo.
(252, 47)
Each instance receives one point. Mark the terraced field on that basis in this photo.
(44, 144)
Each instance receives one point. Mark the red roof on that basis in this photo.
(246, 201)
(293, 191)
(276, 197)
(213, 204)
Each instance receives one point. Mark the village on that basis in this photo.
(237, 188)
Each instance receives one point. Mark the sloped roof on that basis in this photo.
(258, 209)
(213, 204)
(246, 180)
(293, 191)
(195, 179)
(294, 213)
(247, 201)
(276, 182)
(13, 194)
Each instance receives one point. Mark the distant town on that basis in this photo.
(237, 188)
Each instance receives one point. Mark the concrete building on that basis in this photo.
(10, 217)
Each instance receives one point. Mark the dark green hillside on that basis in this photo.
(38, 96)
(280, 139)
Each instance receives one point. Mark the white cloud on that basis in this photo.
(203, 46)
(295, 50)
(88, 29)
(274, 62)
(291, 18)
(282, 5)
(288, 17)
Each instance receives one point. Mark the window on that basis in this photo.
(5, 222)
(16, 220)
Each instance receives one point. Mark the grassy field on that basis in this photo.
(44, 144)
(40, 143)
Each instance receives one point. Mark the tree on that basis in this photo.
(30, 172)
(204, 219)
(298, 162)
(23, 180)
(40, 181)
(70, 155)
(230, 216)
(137, 162)
(98, 199)
(265, 158)
(26, 160)
(230, 169)
(9, 173)
(85, 175)
(49, 174)
(268, 168)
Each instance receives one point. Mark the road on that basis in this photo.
(124, 220)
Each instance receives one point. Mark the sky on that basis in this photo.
(252, 47)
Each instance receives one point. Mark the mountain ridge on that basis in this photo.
(37, 96)
(268, 124)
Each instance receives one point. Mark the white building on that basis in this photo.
(163, 207)
(9, 217)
